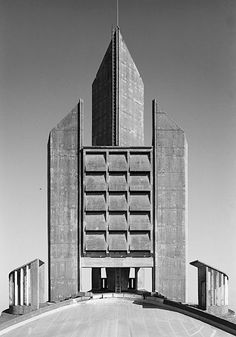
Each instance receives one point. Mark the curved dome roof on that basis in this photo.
(111, 317)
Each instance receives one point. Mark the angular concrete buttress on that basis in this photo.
(64, 203)
(170, 206)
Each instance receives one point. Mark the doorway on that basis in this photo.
(113, 280)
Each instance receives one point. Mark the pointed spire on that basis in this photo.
(117, 13)
(118, 98)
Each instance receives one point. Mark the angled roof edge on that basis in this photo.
(174, 125)
(200, 264)
(26, 264)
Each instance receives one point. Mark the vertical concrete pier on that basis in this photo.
(170, 205)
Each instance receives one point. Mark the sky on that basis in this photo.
(185, 51)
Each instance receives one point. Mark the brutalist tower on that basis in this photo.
(117, 210)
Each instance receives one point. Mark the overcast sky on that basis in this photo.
(185, 51)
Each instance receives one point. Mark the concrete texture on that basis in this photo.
(212, 288)
(63, 205)
(102, 102)
(118, 203)
(115, 317)
(170, 181)
(131, 99)
(26, 287)
(117, 98)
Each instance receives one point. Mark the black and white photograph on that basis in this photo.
(118, 168)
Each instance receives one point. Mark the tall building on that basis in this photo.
(117, 210)
(117, 98)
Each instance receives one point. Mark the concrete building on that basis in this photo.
(117, 210)
(26, 287)
(212, 288)
(117, 98)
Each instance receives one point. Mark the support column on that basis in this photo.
(222, 293)
(226, 291)
(208, 287)
(21, 286)
(11, 289)
(27, 285)
(217, 287)
(212, 288)
(15, 288)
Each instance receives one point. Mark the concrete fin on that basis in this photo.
(164, 122)
(69, 122)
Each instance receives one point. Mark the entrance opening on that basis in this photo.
(113, 279)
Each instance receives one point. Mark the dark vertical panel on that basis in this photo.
(102, 102)
(96, 279)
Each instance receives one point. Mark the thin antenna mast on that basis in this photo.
(117, 13)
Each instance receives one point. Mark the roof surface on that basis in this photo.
(113, 317)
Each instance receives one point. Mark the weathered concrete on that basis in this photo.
(131, 99)
(64, 201)
(212, 288)
(26, 287)
(116, 317)
(144, 279)
(117, 203)
(170, 181)
(117, 214)
(117, 98)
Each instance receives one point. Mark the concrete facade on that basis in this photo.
(64, 221)
(117, 98)
(212, 288)
(117, 215)
(26, 287)
(117, 210)
(117, 190)
(170, 208)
